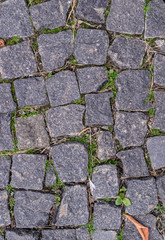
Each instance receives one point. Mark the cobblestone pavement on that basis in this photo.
(82, 119)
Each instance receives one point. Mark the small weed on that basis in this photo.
(49, 75)
(74, 33)
(30, 151)
(1, 232)
(151, 112)
(73, 61)
(55, 30)
(151, 41)
(13, 40)
(80, 101)
(121, 199)
(146, 8)
(28, 111)
(11, 199)
(13, 92)
(148, 160)
(110, 84)
(12, 123)
(106, 12)
(155, 132)
(1, 80)
(90, 226)
(160, 209)
(107, 200)
(120, 235)
(57, 186)
(150, 98)
(33, 2)
(84, 25)
(110, 128)
(35, 45)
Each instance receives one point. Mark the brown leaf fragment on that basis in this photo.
(144, 232)
(2, 44)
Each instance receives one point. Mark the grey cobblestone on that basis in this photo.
(50, 179)
(21, 235)
(5, 216)
(160, 45)
(159, 69)
(82, 233)
(160, 182)
(5, 163)
(59, 234)
(104, 235)
(159, 118)
(7, 105)
(6, 142)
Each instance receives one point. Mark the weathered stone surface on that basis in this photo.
(2, 237)
(20, 63)
(50, 14)
(105, 179)
(133, 90)
(66, 120)
(5, 216)
(50, 179)
(32, 208)
(159, 118)
(160, 45)
(31, 91)
(91, 79)
(21, 235)
(82, 233)
(59, 234)
(74, 207)
(92, 10)
(7, 104)
(143, 196)
(127, 52)
(156, 150)
(130, 128)
(6, 142)
(155, 20)
(134, 164)
(71, 161)
(160, 182)
(130, 231)
(15, 20)
(159, 69)
(125, 17)
(31, 132)
(28, 171)
(62, 88)
(106, 148)
(55, 49)
(5, 163)
(98, 109)
(103, 216)
(91, 46)
(104, 235)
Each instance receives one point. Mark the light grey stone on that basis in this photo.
(74, 207)
(15, 20)
(59, 234)
(160, 45)
(107, 216)
(31, 91)
(2, 237)
(50, 14)
(55, 49)
(71, 162)
(133, 90)
(82, 233)
(125, 17)
(134, 164)
(31, 132)
(5, 162)
(155, 20)
(21, 235)
(6, 142)
(98, 109)
(91, 79)
(160, 182)
(159, 69)
(16, 61)
(66, 120)
(127, 52)
(106, 148)
(156, 150)
(159, 118)
(91, 46)
(7, 104)
(105, 179)
(130, 128)
(5, 216)
(50, 179)
(104, 235)
(28, 171)
(32, 208)
(143, 196)
(62, 88)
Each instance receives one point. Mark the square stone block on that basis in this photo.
(159, 69)
(5, 215)
(5, 163)
(7, 105)
(59, 234)
(6, 142)
(21, 235)
(160, 182)
(159, 118)
(104, 235)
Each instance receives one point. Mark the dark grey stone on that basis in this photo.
(16, 61)
(105, 179)
(6, 142)
(159, 69)
(50, 14)
(155, 20)
(156, 150)
(160, 182)
(91, 79)
(106, 148)
(82, 233)
(32, 208)
(5, 163)
(130, 128)
(31, 91)
(92, 10)
(133, 90)
(127, 52)
(104, 235)
(6, 101)
(143, 196)
(5, 216)
(28, 171)
(62, 88)
(15, 20)
(131, 232)
(31, 132)
(91, 46)
(134, 164)
(59, 234)
(160, 45)
(21, 235)
(74, 207)
(50, 179)
(107, 216)
(66, 120)
(159, 118)
(55, 49)
(98, 109)
(125, 17)
(71, 162)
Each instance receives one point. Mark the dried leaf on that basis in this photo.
(84, 130)
(2, 44)
(144, 232)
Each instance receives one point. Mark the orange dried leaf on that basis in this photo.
(2, 44)
(144, 232)
(84, 130)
